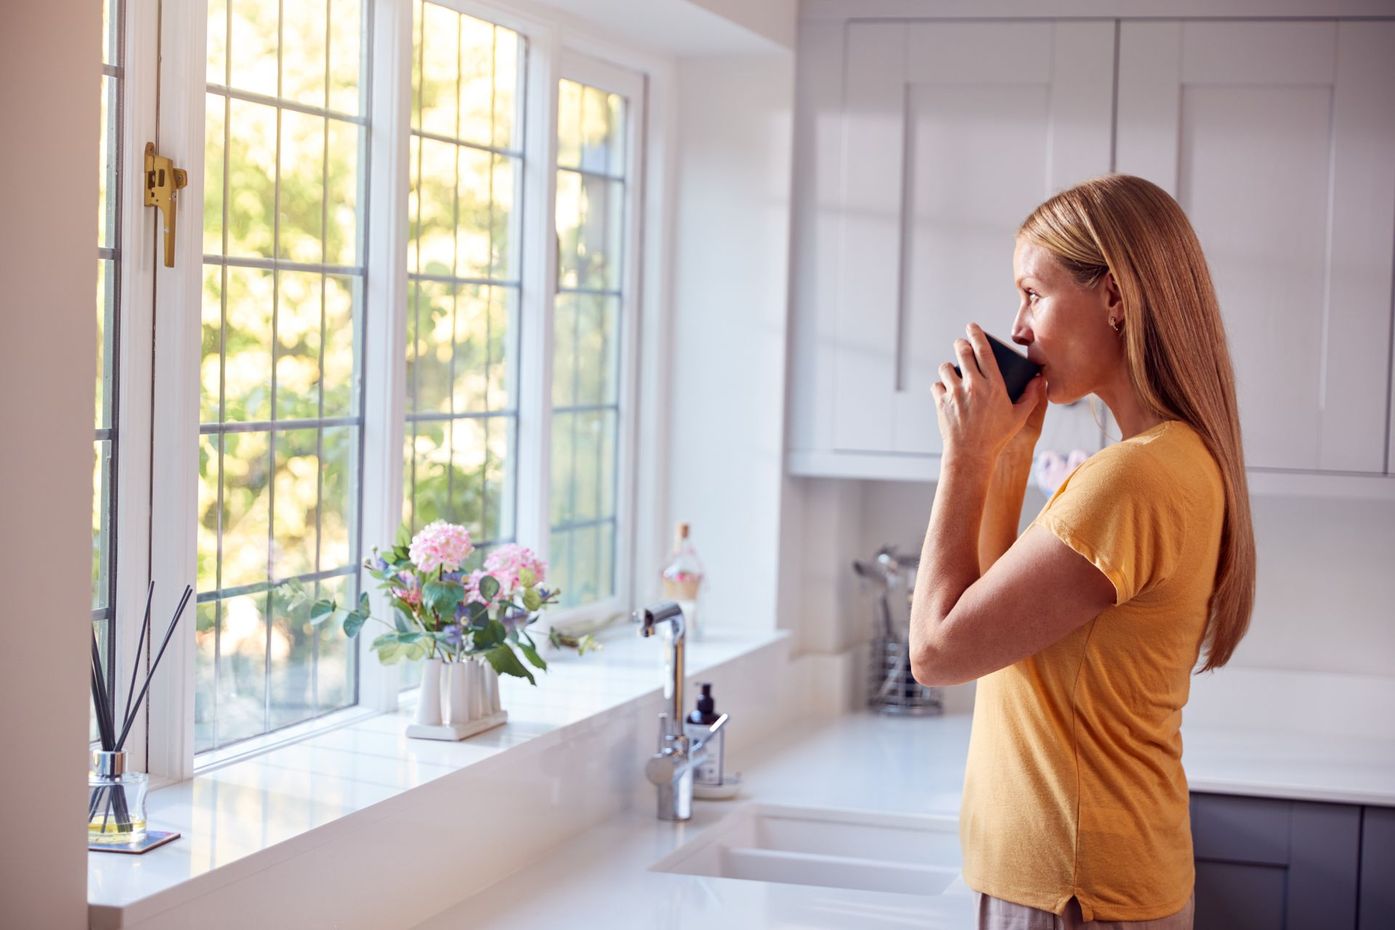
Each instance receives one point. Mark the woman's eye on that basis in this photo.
(1032, 296)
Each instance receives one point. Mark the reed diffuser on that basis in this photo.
(116, 800)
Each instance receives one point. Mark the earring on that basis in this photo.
(1116, 325)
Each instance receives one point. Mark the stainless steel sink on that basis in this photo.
(830, 847)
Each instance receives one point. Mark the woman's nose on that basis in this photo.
(1021, 331)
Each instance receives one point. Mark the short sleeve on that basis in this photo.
(1119, 511)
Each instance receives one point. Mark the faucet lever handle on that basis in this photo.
(711, 731)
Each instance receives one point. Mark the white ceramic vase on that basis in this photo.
(429, 697)
(461, 704)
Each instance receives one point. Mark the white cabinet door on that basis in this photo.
(953, 132)
(1278, 139)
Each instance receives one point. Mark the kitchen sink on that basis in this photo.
(829, 847)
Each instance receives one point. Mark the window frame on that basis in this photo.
(161, 425)
(586, 69)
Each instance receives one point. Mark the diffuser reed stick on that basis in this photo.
(111, 800)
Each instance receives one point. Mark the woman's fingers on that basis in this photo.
(949, 378)
(967, 363)
(983, 352)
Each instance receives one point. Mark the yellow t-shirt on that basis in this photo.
(1074, 784)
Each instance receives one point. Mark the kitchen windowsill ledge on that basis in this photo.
(249, 815)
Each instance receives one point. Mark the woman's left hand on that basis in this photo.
(977, 419)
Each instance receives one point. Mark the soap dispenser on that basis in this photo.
(710, 770)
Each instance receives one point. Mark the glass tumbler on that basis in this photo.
(115, 801)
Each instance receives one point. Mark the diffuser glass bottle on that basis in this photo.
(682, 580)
(116, 801)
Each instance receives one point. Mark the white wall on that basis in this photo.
(49, 89)
(1325, 587)
(730, 271)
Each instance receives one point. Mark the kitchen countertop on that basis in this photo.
(869, 762)
(602, 877)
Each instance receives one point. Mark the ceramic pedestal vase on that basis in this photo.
(472, 702)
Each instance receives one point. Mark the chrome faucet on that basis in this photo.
(671, 768)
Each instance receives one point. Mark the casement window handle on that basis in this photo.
(163, 181)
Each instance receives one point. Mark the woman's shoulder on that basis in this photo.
(1165, 459)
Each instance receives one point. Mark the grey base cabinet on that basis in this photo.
(1273, 864)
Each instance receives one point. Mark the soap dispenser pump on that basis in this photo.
(710, 770)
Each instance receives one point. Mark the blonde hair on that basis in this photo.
(1175, 347)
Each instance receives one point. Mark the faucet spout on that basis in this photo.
(671, 768)
(650, 617)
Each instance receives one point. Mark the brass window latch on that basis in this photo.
(163, 181)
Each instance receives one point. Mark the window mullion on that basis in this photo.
(136, 301)
(175, 436)
(386, 308)
(539, 275)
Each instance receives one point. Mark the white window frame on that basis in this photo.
(171, 298)
(586, 69)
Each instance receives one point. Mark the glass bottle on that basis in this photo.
(115, 801)
(682, 580)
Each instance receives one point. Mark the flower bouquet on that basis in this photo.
(472, 623)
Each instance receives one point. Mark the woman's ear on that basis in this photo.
(1112, 298)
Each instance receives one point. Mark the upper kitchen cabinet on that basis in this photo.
(914, 176)
(1278, 139)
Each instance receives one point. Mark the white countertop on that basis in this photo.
(865, 761)
(602, 877)
(248, 815)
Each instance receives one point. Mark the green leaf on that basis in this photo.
(404, 537)
(389, 653)
(320, 611)
(506, 663)
(532, 600)
(477, 613)
(401, 621)
(491, 635)
(416, 652)
(442, 597)
(526, 577)
(354, 622)
(533, 656)
(363, 607)
(489, 587)
(414, 637)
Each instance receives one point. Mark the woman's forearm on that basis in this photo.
(1002, 509)
(949, 556)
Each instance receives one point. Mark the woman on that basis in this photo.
(1083, 631)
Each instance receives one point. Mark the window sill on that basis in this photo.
(248, 815)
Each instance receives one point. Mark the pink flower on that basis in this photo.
(408, 595)
(513, 566)
(440, 545)
(410, 592)
(472, 588)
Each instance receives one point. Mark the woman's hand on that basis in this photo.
(977, 420)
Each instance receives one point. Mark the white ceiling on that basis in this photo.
(689, 27)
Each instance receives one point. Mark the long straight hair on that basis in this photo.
(1175, 346)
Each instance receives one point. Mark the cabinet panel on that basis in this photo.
(1238, 829)
(1277, 138)
(1238, 896)
(1270, 862)
(954, 132)
(1376, 908)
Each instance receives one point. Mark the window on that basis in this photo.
(281, 427)
(590, 216)
(466, 166)
(108, 289)
(502, 311)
